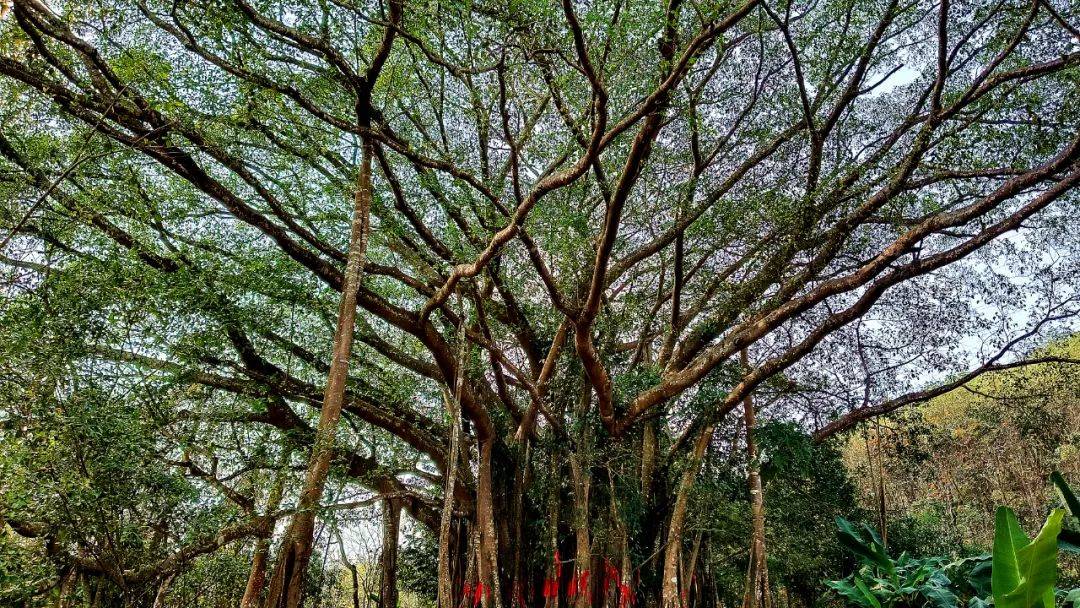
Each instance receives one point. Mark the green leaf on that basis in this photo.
(853, 594)
(871, 600)
(939, 597)
(864, 543)
(1067, 495)
(979, 578)
(1033, 566)
(1008, 539)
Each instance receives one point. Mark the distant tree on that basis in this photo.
(949, 463)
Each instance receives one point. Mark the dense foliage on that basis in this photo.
(585, 290)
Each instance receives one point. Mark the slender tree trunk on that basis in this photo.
(689, 569)
(286, 586)
(354, 574)
(489, 543)
(669, 589)
(883, 520)
(257, 577)
(879, 489)
(649, 447)
(163, 590)
(518, 590)
(388, 593)
(756, 594)
(453, 406)
(622, 540)
(67, 585)
(582, 481)
(552, 601)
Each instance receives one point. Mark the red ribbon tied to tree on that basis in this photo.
(580, 585)
(611, 577)
(481, 590)
(551, 585)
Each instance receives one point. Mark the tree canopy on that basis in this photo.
(590, 232)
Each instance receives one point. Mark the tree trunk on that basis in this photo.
(489, 542)
(649, 447)
(552, 599)
(689, 570)
(756, 594)
(388, 593)
(163, 590)
(883, 521)
(453, 405)
(286, 586)
(354, 574)
(669, 588)
(68, 581)
(582, 481)
(257, 577)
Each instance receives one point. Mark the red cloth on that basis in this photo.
(551, 585)
(580, 585)
(611, 577)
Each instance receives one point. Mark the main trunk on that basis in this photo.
(621, 543)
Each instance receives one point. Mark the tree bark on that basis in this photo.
(354, 573)
(582, 559)
(689, 568)
(286, 586)
(388, 593)
(445, 597)
(489, 543)
(669, 589)
(649, 447)
(257, 577)
(66, 587)
(756, 594)
(163, 590)
(582, 481)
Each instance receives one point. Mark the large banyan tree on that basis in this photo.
(514, 270)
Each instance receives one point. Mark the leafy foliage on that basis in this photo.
(884, 582)
(1024, 570)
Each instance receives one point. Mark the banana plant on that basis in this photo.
(1020, 573)
(1069, 539)
(1024, 570)
(884, 582)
